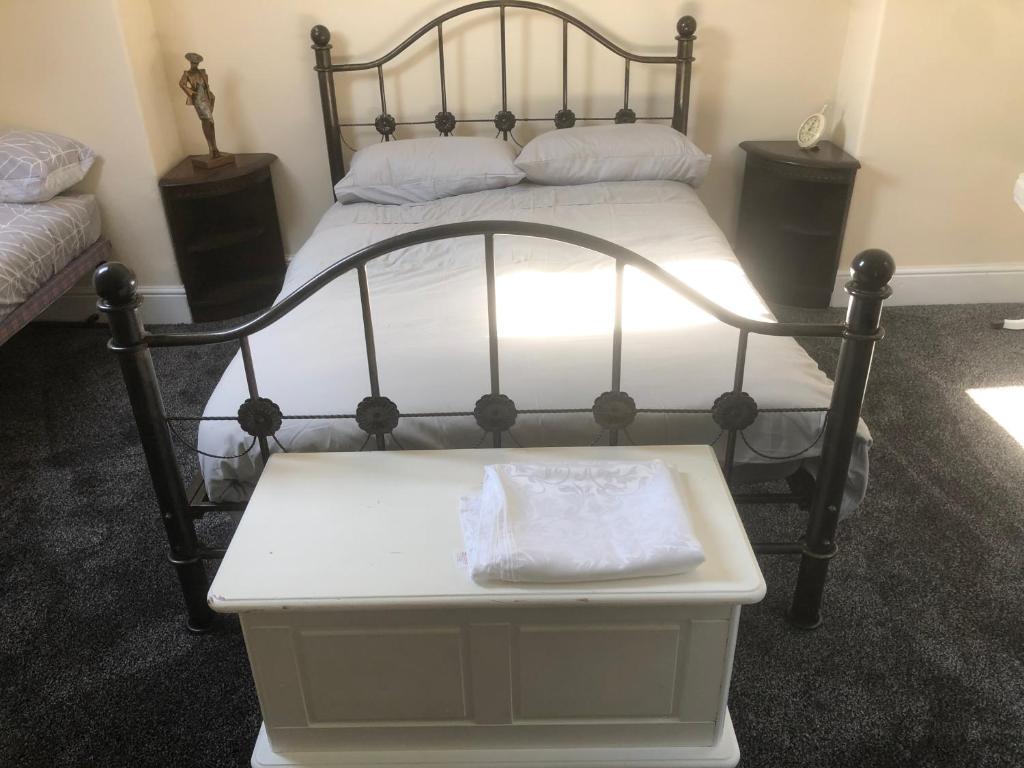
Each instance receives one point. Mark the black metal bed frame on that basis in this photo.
(495, 413)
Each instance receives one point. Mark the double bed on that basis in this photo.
(533, 315)
(45, 248)
(554, 329)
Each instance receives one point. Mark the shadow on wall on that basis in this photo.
(712, 56)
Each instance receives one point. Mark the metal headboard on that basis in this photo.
(504, 120)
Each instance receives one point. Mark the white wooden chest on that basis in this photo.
(370, 645)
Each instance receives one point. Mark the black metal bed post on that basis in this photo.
(321, 37)
(686, 29)
(869, 287)
(119, 301)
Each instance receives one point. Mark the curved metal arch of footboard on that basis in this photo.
(489, 228)
(733, 412)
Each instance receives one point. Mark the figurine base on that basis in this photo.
(209, 161)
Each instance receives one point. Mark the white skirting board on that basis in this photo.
(968, 284)
(162, 304)
(724, 754)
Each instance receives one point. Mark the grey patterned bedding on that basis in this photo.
(38, 239)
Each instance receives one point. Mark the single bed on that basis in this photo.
(45, 248)
(531, 315)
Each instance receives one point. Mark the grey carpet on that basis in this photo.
(920, 661)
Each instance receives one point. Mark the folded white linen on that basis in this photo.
(578, 521)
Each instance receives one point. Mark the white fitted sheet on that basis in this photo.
(555, 306)
(37, 240)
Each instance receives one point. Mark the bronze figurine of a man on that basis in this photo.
(196, 86)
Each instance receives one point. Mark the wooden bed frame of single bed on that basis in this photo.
(46, 294)
(613, 409)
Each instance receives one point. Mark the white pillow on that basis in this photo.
(418, 170)
(35, 166)
(628, 152)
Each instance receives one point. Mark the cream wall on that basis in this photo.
(943, 141)
(64, 67)
(928, 93)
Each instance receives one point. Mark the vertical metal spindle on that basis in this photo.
(565, 64)
(625, 93)
(440, 56)
(505, 99)
(737, 387)
(383, 100)
(250, 380)
(620, 266)
(492, 322)
(371, 347)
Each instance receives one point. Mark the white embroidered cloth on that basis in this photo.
(578, 521)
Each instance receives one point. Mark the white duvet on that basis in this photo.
(555, 317)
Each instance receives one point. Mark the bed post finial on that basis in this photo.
(686, 29)
(114, 283)
(119, 301)
(321, 37)
(872, 270)
(868, 287)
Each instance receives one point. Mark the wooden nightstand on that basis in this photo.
(227, 239)
(792, 217)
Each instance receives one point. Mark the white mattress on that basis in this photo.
(37, 240)
(555, 316)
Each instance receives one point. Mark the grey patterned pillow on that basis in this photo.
(35, 166)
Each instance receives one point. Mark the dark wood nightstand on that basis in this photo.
(226, 236)
(792, 216)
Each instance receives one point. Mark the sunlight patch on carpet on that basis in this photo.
(1005, 405)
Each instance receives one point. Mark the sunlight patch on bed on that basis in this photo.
(1005, 405)
(581, 303)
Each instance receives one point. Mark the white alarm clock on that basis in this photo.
(812, 129)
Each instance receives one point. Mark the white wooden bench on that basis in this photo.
(371, 646)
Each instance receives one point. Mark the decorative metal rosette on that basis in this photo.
(504, 121)
(385, 124)
(614, 410)
(625, 115)
(495, 413)
(444, 122)
(565, 118)
(734, 410)
(259, 416)
(377, 415)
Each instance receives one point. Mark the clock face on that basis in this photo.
(810, 131)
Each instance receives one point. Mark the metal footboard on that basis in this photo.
(495, 412)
